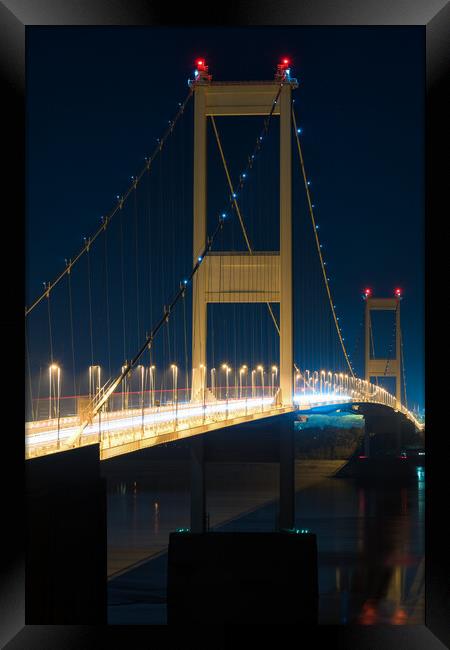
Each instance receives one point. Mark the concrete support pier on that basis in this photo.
(65, 580)
(198, 497)
(287, 478)
(366, 439)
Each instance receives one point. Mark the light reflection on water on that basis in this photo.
(370, 541)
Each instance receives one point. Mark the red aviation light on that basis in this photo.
(367, 292)
(200, 63)
(398, 293)
(283, 69)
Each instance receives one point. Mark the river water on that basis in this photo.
(370, 537)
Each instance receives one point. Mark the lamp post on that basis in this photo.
(141, 372)
(94, 381)
(315, 380)
(335, 381)
(203, 381)
(174, 383)
(53, 370)
(152, 374)
(242, 370)
(54, 391)
(174, 369)
(261, 370)
(274, 374)
(50, 368)
(213, 381)
(227, 370)
(125, 390)
(253, 383)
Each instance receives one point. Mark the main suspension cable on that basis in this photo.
(121, 201)
(327, 286)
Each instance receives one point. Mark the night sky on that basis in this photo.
(97, 98)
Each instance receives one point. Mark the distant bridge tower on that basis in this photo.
(220, 277)
(377, 367)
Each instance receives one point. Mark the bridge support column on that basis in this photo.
(287, 478)
(211, 99)
(198, 500)
(286, 337)
(398, 434)
(199, 307)
(366, 439)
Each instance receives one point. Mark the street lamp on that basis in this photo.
(335, 381)
(322, 379)
(142, 371)
(54, 391)
(213, 381)
(94, 381)
(152, 374)
(174, 382)
(274, 374)
(174, 368)
(227, 370)
(242, 370)
(253, 383)
(261, 370)
(125, 390)
(203, 380)
(315, 380)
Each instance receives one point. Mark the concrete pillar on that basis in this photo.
(366, 439)
(367, 342)
(198, 496)
(398, 434)
(287, 477)
(398, 356)
(199, 306)
(286, 338)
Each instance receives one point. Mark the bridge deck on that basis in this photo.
(122, 432)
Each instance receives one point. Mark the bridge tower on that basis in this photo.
(220, 276)
(378, 367)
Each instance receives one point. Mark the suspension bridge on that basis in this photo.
(156, 331)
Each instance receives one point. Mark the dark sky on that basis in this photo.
(98, 98)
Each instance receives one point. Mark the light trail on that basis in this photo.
(185, 411)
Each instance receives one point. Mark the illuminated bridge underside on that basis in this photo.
(123, 432)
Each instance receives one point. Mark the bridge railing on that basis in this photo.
(68, 408)
(311, 387)
(326, 386)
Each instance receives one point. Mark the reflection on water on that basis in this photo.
(370, 541)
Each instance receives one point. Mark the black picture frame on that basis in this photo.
(15, 16)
